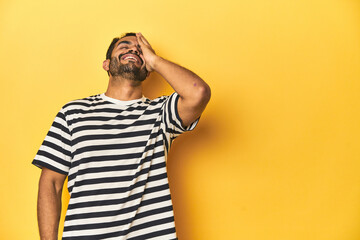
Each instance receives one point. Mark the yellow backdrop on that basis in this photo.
(276, 153)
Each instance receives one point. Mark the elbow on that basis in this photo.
(204, 93)
(199, 96)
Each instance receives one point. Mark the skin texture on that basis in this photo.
(194, 96)
(49, 203)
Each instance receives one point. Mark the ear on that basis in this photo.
(106, 64)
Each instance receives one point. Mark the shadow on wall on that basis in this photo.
(181, 155)
(180, 159)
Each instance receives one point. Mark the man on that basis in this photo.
(113, 146)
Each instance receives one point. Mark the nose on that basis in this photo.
(136, 49)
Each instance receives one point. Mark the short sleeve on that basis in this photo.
(171, 119)
(55, 151)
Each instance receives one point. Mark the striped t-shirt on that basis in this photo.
(114, 154)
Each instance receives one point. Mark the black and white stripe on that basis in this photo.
(114, 155)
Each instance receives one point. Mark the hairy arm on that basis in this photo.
(49, 203)
(194, 92)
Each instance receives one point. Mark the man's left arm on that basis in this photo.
(193, 91)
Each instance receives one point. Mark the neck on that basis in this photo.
(123, 89)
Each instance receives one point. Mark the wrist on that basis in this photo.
(155, 62)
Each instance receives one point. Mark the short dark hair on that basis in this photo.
(115, 40)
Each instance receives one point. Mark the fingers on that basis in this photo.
(138, 36)
(142, 39)
(144, 44)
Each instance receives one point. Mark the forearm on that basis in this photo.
(186, 83)
(49, 210)
(194, 92)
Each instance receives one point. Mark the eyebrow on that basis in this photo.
(124, 42)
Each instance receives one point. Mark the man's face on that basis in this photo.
(127, 60)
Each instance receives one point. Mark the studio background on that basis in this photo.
(276, 153)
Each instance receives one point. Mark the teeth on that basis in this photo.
(130, 57)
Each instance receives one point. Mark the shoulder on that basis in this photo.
(82, 104)
(85, 102)
(159, 101)
(162, 99)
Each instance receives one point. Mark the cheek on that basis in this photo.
(143, 60)
(113, 63)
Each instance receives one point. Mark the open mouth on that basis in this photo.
(131, 57)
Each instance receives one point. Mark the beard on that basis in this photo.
(128, 71)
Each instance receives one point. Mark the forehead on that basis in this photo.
(127, 40)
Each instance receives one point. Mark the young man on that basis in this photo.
(113, 147)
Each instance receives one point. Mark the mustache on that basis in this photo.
(133, 53)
